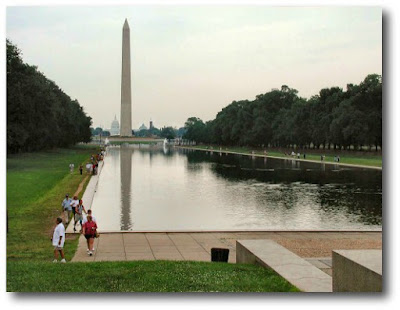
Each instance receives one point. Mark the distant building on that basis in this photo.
(143, 127)
(151, 124)
(114, 131)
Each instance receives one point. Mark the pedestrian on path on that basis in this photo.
(79, 213)
(89, 212)
(75, 206)
(58, 240)
(67, 208)
(89, 231)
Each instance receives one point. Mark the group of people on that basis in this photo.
(93, 165)
(75, 207)
(88, 226)
(336, 158)
(293, 154)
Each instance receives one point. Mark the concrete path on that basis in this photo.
(88, 195)
(197, 246)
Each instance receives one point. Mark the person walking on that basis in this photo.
(88, 168)
(74, 204)
(66, 207)
(80, 169)
(58, 240)
(89, 230)
(79, 214)
(89, 212)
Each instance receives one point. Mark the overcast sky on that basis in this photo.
(194, 60)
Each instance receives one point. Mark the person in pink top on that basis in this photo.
(89, 230)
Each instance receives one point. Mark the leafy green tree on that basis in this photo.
(195, 129)
(280, 118)
(39, 114)
(168, 133)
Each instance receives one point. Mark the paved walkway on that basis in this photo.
(315, 246)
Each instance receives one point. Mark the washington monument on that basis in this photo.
(126, 100)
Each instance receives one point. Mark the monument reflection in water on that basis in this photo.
(163, 189)
(126, 177)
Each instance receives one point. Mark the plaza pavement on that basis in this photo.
(316, 247)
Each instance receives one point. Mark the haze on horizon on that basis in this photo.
(194, 60)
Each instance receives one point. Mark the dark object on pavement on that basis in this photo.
(219, 255)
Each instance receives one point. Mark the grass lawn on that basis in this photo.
(368, 159)
(143, 276)
(36, 185)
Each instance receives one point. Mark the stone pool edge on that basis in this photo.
(88, 195)
(278, 157)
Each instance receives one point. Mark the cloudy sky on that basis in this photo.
(194, 60)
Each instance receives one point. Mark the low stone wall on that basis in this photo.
(357, 270)
(293, 268)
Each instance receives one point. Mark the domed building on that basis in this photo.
(114, 131)
(143, 127)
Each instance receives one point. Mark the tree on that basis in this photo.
(167, 133)
(39, 114)
(281, 118)
(195, 129)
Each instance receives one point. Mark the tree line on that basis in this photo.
(167, 132)
(350, 119)
(39, 114)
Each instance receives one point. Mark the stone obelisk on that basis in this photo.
(126, 100)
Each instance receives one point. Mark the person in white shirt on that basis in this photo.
(58, 240)
(88, 168)
(89, 212)
(74, 204)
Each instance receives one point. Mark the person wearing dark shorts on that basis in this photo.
(89, 230)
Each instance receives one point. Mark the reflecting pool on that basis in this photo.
(154, 189)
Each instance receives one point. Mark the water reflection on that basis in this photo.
(163, 189)
(356, 193)
(126, 177)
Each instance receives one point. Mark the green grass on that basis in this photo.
(143, 276)
(367, 159)
(36, 185)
